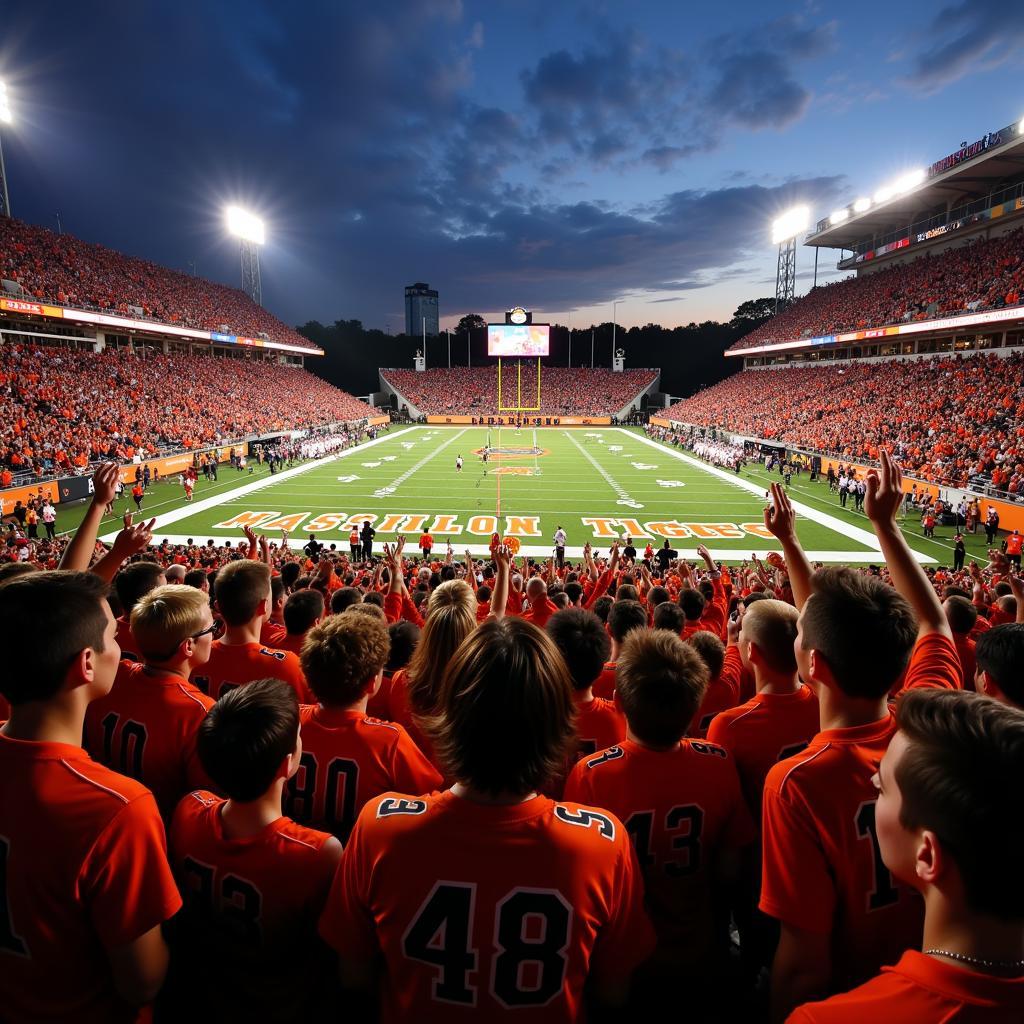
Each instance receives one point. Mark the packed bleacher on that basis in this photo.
(985, 274)
(565, 391)
(62, 409)
(276, 784)
(66, 271)
(950, 420)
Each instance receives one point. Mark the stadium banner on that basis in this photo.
(660, 421)
(377, 421)
(75, 488)
(172, 465)
(34, 308)
(12, 495)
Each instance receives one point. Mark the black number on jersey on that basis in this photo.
(608, 755)
(392, 806)
(711, 749)
(584, 819)
(10, 940)
(883, 893)
(131, 740)
(683, 825)
(238, 906)
(532, 929)
(339, 793)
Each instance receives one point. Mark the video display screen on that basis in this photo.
(518, 340)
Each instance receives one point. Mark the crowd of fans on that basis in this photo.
(65, 270)
(564, 391)
(985, 274)
(390, 787)
(950, 420)
(62, 409)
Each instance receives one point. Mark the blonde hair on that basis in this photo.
(451, 617)
(771, 626)
(165, 616)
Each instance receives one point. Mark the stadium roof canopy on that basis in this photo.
(969, 172)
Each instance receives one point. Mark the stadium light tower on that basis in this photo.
(784, 232)
(6, 117)
(249, 230)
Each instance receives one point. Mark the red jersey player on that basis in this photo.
(146, 726)
(254, 882)
(950, 822)
(681, 803)
(243, 595)
(84, 880)
(490, 898)
(347, 757)
(842, 914)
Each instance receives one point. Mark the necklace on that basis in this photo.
(1014, 965)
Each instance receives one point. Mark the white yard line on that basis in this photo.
(814, 515)
(389, 489)
(195, 507)
(624, 497)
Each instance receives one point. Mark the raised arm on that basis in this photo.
(78, 554)
(881, 503)
(470, 570)
(503, 567)
(780, 521)
(130, 541)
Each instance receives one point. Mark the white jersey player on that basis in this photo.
(458, 463)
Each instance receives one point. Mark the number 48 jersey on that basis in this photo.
(479, 909)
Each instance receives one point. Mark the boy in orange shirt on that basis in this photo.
(253, 881)
(146, 726)
(950, 821)
(584, 644)
(681, 803)
(842, 915)
(243, 597)
(86, 884)
(349, 758)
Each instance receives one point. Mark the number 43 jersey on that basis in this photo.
(480, 909)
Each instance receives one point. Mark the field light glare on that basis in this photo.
(245, 225)
(5, 108)
(861, 205)
(790, 224)
(838, 216)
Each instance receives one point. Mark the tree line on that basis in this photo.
(690, 357)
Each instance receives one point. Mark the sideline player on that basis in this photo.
(458, 463)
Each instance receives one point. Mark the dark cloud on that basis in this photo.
(756, 89)
(975, 35)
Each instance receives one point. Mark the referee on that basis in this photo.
(560, 548)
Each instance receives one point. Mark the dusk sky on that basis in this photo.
(557, 155)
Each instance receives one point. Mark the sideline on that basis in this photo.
(195, 507)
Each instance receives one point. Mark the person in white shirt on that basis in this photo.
(560, 539)
(458, 464)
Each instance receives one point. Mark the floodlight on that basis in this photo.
(838, 216)
(245, 225)
(884, 194)
(790, 224)
(910, 180)
(5, 109)
(861, 205)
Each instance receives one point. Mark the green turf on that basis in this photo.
(581, 474)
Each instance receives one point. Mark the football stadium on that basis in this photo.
(551, 672)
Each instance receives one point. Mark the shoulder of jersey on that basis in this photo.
(379, 723)
(292, 833)
(607, 756)
(273, 652)
(97, 779)
(193, 698)
(794, 768)
(397, 807)
(584, 822)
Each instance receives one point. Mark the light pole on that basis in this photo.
(617, 302)
(6, 117)
(784, 231)
(251, 233)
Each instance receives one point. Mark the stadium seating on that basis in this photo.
(67, 271)
(948, 419)
(61, 409)
(987, 274)
(565, 391)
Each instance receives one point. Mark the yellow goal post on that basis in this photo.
(519, 406)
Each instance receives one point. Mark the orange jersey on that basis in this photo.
(400, 712)
(479, 908)
(251, 907)
(599, 724)
(770, 727)
(379, 705)
(822, 870)
(234, 665)
(84, 871)
(683, 809)
(921, 988)
(272, 633)
(146, 728)
(604, 684)
(347, 759)
(292, 642)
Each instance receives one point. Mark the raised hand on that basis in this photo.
(779, 517)
(884, 492)
(104, 484)
(132, 539)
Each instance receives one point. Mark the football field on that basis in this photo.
(598, 483)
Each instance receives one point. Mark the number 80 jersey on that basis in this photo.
(479, 909)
